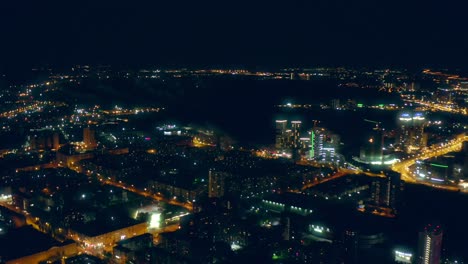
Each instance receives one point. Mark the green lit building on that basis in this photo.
(446, 169)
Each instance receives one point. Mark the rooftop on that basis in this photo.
(25, 241)
(104, 225)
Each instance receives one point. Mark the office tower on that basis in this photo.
(281, 135)
(216, 183)
(330, 146)
(317, 139)
(312, 145)
(385, 192)
(418, 138)
(430, 245)
(324, 144)
(296, 133)
(405, 122)
(88, 138)
(412, 135)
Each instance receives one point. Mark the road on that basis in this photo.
(337, 175)
(122, 185)
(439, 107)
(340, 173)
(403, 167)
(36, 223)
(186, 205)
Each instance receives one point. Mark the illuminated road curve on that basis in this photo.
(340, 173)
(337, 175)
(156, 197)
(439, 107)
(187, 205)
(434, 151)
(35, 223)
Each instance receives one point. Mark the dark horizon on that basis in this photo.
(262, 34)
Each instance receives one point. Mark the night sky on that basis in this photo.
(243, 33)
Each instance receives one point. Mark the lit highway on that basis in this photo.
(156, 197)
(337, 175)
(440, 107)
(36, 223)
(340, 173)
(122, 185)
(403, 167)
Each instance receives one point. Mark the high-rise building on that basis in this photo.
(385, 192)
(316, 142)
(372, 151)
(418, 137)
(405, 122)
(216, 183)
(411, 135)
(430, 245)
(296, 134)
(324, 144)
(281, 139)
(88, 138)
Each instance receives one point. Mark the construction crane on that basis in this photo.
(374, 122)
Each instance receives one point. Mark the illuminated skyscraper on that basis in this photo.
(317, 139)
(324, 144)
(412, 131)
(418, 137)
(405, 121)
(281, 134)
(296, 134)
(430, 245)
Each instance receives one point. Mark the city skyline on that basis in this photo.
(268, 132)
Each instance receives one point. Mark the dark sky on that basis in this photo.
(243, 32)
